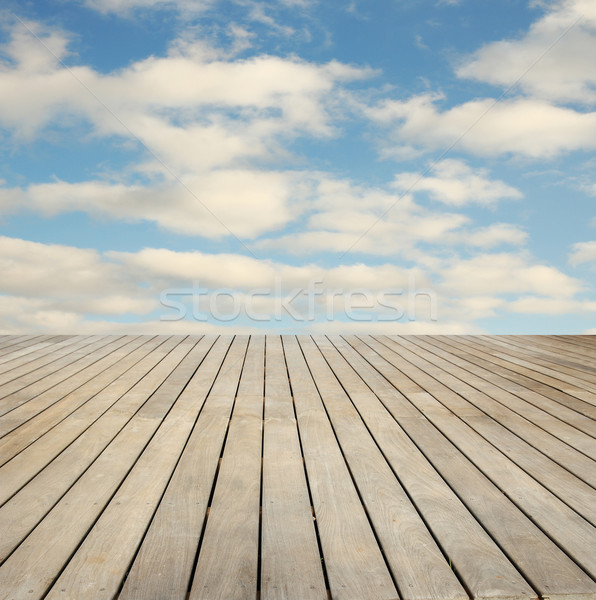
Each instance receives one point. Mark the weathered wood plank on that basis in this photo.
(40, 558)
(171, 468)
(486, 361)
(70, 440)
(571, 531)
(581, 356)
(413, 448)
(28, 387)
(83, 404)
(64, 353)
(419, 568)
(113, 540)
(552, 377)
(227, 567)
(15, 341)
(493, 374)
(354, 563)
(89, 379)
(11, 358)
(556, 362)
(290, 561)
(523, 447)
(163, 566)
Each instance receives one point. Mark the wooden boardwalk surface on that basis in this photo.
(352, 468)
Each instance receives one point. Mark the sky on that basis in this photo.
(298, 166)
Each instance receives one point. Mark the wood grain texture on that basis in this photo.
(57, 383)
(163, 566)
(417, 564)
(67, 418)
(290, 561)
(267, 467)
(39, 559)
(26, 508)
(116, 535)
(485, 360)
(573, 533)
(355, 566)
(413, 449)
(227, 567)
(34, 418)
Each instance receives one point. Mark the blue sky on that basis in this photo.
(298, 166)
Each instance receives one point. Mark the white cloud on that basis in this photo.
(495, 235)
(35, 269)
(506, 273)
(204, 118)
(583, 252)
(376, 221)
(524, 126)
(455, 183)
(551, 306)
(396, 328)
(193, 108)
(554, 58)
(60, 288)
(127, 7)
(247, 203)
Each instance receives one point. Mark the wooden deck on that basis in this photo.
(356, 468)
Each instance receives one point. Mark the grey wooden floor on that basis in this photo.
(414, 467)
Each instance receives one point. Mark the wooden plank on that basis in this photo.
(30, 461)
(290, 561)
(485, 360)
(550, 571)
(227, 566)
(114, 538)
(27, 507)
(410, 443)
(513, 384)
(33, 567)
(578, 341)
(163, 566)
(27, 433)
(568, 482)
(417, 564)
(10, 340)
(429, 462)
(548, 357)
(10, 343)
(30, 371)
(580, 355)
(43, 409)
(29, 386)
(555, 377)
(354, 563)
(13, 356)
(570, 530)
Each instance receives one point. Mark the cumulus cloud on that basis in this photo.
(551, 306)
(583, 252)
(455, 183)
(193, 108)
(213, 127)
(50, 288)
(506, 273)
(245, 203)
(378, 221)
(127, 7)
(525, 126)
(32, 268)
(554, 58)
